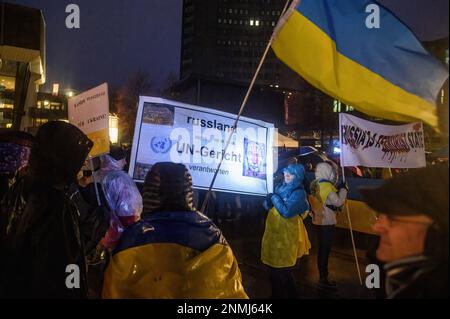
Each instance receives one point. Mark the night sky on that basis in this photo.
(120, 37)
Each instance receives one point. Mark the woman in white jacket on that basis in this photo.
(324, 218)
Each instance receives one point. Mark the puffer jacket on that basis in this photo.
(285, 238)
(324, 190)
(290, 199)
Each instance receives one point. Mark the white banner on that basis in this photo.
(89, 111)
(364, 143)
(168, 131)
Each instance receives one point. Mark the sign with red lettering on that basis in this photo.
(364, 143)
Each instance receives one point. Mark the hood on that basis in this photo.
(58, 153)
(108, 163)
(326, 171)
(168, 188)
(298, 171)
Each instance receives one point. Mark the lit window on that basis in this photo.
(257, 23)
(273, 23)
(252, 22)
(336, 106)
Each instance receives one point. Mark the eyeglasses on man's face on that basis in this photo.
(391, 220)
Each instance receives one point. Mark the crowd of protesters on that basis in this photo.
(59, 211)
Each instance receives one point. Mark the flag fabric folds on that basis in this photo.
(383, 72)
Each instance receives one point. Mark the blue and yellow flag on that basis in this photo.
(383, 72)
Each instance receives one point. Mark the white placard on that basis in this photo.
(89, 111)
(168, 131)
(364, 143)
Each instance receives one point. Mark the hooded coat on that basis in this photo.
(41, 234)
(122, 196)
(173, 251)
(326, 193)
(285, 238)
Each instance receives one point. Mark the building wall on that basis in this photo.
(225, 40)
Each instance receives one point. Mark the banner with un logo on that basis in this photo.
(168, 131)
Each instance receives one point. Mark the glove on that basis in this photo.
(343, 185)
(269, 200)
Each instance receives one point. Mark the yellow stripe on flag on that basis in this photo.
(310, 52)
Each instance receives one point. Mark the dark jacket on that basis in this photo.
(40, 239)
(417, 277)
(40, 224)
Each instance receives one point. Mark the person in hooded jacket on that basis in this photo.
(173, 251)
(285, 238)
(42, 235)
(331, 199)
(121, 193)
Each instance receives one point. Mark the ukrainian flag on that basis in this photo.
(383, 72)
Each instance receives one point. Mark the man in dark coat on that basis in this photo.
(413, 226)
(42, 250)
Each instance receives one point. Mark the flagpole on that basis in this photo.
(241, 110)
(97, 195)
(346, 204)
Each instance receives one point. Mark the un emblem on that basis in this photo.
(160, 144)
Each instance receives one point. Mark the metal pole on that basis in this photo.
(95, 183)
(351, 230)
(244, 103)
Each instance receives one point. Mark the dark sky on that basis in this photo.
(116, 39)
(119, 37)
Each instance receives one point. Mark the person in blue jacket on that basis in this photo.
(285, 238)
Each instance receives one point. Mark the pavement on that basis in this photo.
(244, 236)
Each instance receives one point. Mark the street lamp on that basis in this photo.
(113, 129)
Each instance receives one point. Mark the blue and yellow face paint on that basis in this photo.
(384, 72)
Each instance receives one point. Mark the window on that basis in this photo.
(336, 106)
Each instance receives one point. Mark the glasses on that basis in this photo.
(391, 219)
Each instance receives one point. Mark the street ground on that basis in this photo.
(244, 236)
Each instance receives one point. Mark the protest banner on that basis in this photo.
(364, 143)
(89, 111)
(168, 131)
